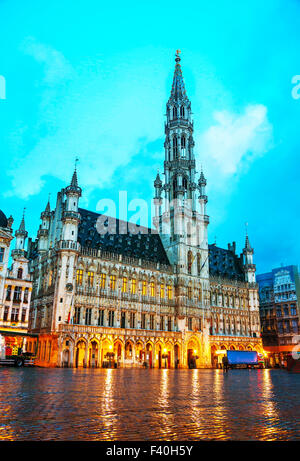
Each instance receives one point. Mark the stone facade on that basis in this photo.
(158, 297)
(15, 283)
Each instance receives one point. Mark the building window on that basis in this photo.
(189, 293)
(1, 254)
(111, 318)
(278, 313)
(112, 282)
(8, 293)
(124, 285)
(132, 320)
(151, 321)
(144, 288)
(79, 276)
(133, 286)
(190, 323)
(189, 261)
(14, 315)
(88, 316)
(23, 315)
(17, 294)
(5, 317)
(162, 323)
(152, 289)
(170, 292)
(182, 111)
(169, 323)
(77, 315)
(123, 319)
(100, 317)
(20, 273)
(25, 299)
(174, 113)
(198, 264)
(293, 311)
(102, 281)
(162, 291)
(143, 321)
(90, 279)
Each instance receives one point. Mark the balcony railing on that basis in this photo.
(126, 296)
(94, 329)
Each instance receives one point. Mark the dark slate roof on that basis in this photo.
(3, 219)
(145, 244)
(225, 263)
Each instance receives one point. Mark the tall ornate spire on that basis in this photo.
(21, 231)
(73, 188)
(178, 88)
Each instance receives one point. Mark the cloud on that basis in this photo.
(236, 139)
(56, 66)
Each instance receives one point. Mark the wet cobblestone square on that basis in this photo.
(138, 404)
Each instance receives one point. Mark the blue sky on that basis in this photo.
(92, 78)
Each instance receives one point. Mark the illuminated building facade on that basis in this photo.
(15, 283)
(279, 292)
(132, 296)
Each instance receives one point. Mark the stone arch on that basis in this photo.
(93, 353)
(80, 352)
(193, 351)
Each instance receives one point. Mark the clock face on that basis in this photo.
(69, 287)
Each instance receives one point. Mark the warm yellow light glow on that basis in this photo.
(195, 351)
(165, 350)
(222, 351)
(110, 347)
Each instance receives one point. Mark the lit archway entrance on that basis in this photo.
(66, 358)
(80, 354)
(93, 354)
(149, 355)
(176, 356)
(192, 353)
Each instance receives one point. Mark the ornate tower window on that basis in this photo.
(182, 112)
(112, 282)
(90, 279)
(102, 281)
(189, 261)
(133, 286)
(124, 285)
(79, 276)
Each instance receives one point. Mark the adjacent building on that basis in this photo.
(110, 293)
(279, 292)
(15, 283)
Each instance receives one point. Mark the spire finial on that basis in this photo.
(178, 52)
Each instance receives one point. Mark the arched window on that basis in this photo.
(198, 263)
(90, 279)
(20, 273)
(182, 111)
(175, 146)
(189, 261)
(184, 183)
(182, 142)
(152, 289)
(79, 276)
(174, 112)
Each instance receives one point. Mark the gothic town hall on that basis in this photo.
(142, 299)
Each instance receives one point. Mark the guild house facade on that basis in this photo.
(15, 283)
(132, 296)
